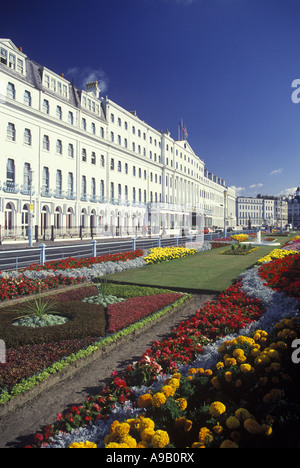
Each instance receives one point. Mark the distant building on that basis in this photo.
(294, 209)
(74, 161)
(262, 210)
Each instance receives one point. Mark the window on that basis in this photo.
(119, 191)
(83, 123)
(70, 118)
(27, 98)
(26, 176)
(45, 179)
(102, 189)
(10, 170)
(102, 160)
(58, 181)
(59, 147)
(46, 143)
(93, 187)
(93, 128)
(112, 191)
(46, 107)
(70, 184)
(125, 143)
(93, 158)
(11, 132)
(112, 164)
(59, 112)
(10, 91)
(119, 139)
(102, 132)
(126, 168)
(71, 150)
(133, 194)
(112, 137)
(83, 155)
(83, 186)
(119, 166)
(133, 171)
(27, 137)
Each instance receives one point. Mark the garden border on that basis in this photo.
(74, 364)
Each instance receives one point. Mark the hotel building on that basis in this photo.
(74, 163)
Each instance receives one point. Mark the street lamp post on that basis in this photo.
(225, 196)
(30, 209)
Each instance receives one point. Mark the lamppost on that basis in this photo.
(225, 198)
(30, 208)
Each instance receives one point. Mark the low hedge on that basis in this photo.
(85, 320)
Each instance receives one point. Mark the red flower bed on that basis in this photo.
(283, 274)
(15, 288)
(86, 262)
(123, 314)
(232, 311)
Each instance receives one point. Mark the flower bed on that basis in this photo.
(33, 354)
(283, 274)
(162, 254)
(239, 250)
(72, 263)
(14, 288)
(240, 391)
(122, 314)
(240, 237)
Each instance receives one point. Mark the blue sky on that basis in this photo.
(225, 67)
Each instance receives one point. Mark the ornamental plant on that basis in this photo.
(240, 237)
(162, 254)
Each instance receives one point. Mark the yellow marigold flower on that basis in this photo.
(168, 390)
(252, 426)
(228, 376)
(110, 438)
(273, 354)
(114, 425)
(145, 401)
(174, 382)
(266, 430)
(197, 445)
(275, 366)
(129, 441)
(216, 409)
(230, 362)
(112, 445)
(238, 352)
(177, 376)
(146, 423)
(208, 372)
(147, 434)
(158, 400)
(228, 444)
(242, 414)
(245, 368)
(219, 365)
(232, 422)
(160, 439)
(215, 382)
(182, 403)
(205, 436)
(122, 429)
(217, 429)
(142, 444)
(86, 444)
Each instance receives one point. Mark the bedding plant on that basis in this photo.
(245, 396)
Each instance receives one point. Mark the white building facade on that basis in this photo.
(76, 164)
(261, 211)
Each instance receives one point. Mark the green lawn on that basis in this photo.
(205, 271)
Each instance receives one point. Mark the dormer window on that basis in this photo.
(11, 59)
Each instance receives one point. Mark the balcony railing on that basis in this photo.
(10, 187)
(25, 190)
(46, 192)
